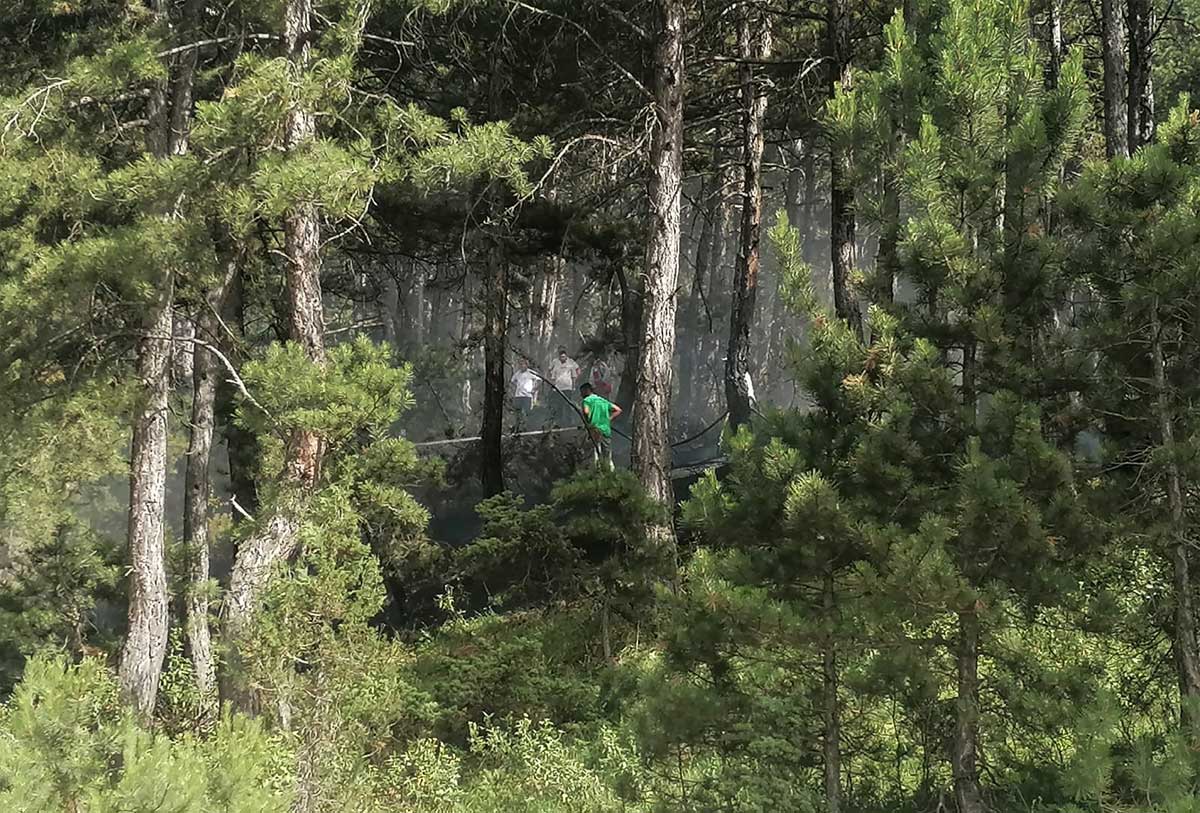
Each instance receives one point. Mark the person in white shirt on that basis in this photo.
(525, 387)
(563, 374)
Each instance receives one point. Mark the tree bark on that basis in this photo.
(966, 730)
(206, 372)
(275, 540)
(652, 399)
(145, 644)
(754, 44)
(146, 641)
(1116, 112)
(1141, 82)
(832, 740)
(842, 206)
(1187, 649)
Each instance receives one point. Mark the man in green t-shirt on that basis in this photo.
(599, 413)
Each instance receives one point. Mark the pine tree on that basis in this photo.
(1133, 223)
(973, 179)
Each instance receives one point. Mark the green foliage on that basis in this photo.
(67, 743)
(589, 541)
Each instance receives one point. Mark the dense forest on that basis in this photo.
(896, 308)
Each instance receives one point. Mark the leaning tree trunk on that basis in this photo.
(146, 641)
(1116, 115)
(652, 395)
(754, 45)
(841, 206)
(1141, 82)
(1187, 649)
(275, 539)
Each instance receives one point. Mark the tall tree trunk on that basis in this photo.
(1187, 649)
(206, 371)
(146, 641)
(966, 730)
(754, 44)
(841, 208)
(1141, 81)
(692, 329)
(832, 740)
(1116, 112)
(275, 539)
(652, 396)
(631, 333)
(495, 295)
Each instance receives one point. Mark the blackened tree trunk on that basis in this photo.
(241, 444)
(631, 338)
(841, 205)
(1116, 115)
(495, 322)
(1141, 82)
(652, 396)
(720, 275)
(692, 320)
(276, 537)
(966, 731)
(887, 260)
(146, 640)
(754, 45)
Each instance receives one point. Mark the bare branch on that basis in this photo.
(192, 46)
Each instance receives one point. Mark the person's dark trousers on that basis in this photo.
(522, 406)
(564, 409)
